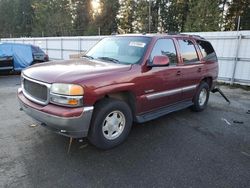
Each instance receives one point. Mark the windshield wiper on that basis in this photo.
(88, 56)
(109, 59)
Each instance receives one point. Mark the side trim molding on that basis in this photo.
(170, 92)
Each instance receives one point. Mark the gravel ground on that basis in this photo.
(182, 149)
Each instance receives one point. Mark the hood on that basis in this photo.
(72, 71)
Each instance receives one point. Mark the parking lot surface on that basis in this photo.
(182, 149)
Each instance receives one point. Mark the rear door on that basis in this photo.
(192, 68)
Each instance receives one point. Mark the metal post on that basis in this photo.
(239, 37)
(79, 45)
(149, 16)
(46, 43)
(238, 25)
(61, 48)
(99, 31)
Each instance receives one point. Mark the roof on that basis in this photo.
(157, 35)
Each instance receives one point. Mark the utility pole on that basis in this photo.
(149, 16)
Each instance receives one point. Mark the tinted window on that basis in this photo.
(36, 49)
(207, 50)
(188, 52)
(165, 47)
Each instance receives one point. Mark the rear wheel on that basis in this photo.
(201, 97)
(111, 123)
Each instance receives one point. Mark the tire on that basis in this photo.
(201, 97)
(111, 123)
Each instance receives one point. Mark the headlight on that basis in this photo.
(67, 89)
(66, 94)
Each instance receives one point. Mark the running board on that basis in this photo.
(162, 111)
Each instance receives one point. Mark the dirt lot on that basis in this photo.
(183, 149)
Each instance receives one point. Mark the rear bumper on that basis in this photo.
(75, 126)
(214, 84)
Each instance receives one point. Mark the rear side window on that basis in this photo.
(188, 52)
(164, 47)
(36, 49)
(207, 50)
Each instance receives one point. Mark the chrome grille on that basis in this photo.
(36, 91)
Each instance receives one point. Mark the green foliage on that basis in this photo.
(24, 18)
(52, 18)
(16, 18)
(127, 15)
(81, 12)
(203, 16)
(238, 8)
(106, 20)
(174, 15)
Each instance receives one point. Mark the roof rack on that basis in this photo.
(173, 33)
(198, 36)
(190, 35)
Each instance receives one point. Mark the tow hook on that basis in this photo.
(222, 94)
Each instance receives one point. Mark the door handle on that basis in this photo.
(199, 69)
(178, 73)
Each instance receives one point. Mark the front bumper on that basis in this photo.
(75, 126)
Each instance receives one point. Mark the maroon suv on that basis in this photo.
(121, 80)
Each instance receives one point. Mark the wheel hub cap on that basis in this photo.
(113, 125)
(202, 97)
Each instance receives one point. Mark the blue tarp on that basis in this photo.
(21, 53)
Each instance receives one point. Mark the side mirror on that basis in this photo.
(160, 61)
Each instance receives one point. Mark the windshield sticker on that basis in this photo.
(137, 44)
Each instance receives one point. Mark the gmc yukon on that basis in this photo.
(121, 80)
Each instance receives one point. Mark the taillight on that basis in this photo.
(46, 58)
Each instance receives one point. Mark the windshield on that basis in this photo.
(125, 50)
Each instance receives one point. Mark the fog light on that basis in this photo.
(66, 100)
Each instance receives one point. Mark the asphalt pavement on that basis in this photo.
(182, 149)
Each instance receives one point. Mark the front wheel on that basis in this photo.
(111, 123)
(201, 97)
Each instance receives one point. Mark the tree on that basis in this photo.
(82, 16)
(140, 16)
(236, 9)
(127, 16)
(107, 18)
(24, 16)
(52, 18)
(174, 14)
(204, 15)
(6, 18)
(166, 15)
(223, 5)
(16, 18)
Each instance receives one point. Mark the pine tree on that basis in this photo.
(236, 9)
(82, 16)
(126, 16)
(174, 14)
(7, 18)
(107, 18)
(141, 16)
(24, 16)
(204, 15)
(52, 18)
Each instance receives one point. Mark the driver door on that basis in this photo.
(162, 83)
